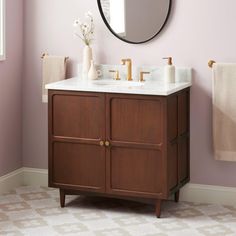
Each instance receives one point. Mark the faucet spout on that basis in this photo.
(128, 62)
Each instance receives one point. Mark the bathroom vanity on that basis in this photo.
(124, 142)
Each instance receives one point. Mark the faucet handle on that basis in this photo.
(116, 75)
(123, 61)
(142, 73)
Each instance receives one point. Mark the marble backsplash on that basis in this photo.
(156, 73)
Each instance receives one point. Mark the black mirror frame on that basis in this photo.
(127, 41)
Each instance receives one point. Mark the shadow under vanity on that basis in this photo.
(119, 142)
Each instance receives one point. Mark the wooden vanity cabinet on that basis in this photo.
(118, 145)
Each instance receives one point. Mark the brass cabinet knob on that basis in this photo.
(107, 144)
(101, 143)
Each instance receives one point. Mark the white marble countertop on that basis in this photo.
(146, 88)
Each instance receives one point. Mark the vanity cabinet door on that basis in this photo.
(76, 128)
(135, 131)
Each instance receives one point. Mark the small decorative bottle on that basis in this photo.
(92, 74)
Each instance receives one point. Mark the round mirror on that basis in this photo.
(135, 21)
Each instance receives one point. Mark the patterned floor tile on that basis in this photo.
(113, 232)
(142, 229)
(157, 234)
(171, 225)
(36, 204)
(229, 217)
(186, 213)
(89, 215)
(212, 209)
(59, 219)
(51, 211)
(65, 229)
(30, 223)
(231, 208)
(101, 224)
(7, 226)
(10, 233)
(35, 211)
(9, 198)
(130, 220)
(35, 196)
(13, 191)
(3, 217)
(42, 231)
(16, 206)
(22, 215)
(28, 189)
(215, 230)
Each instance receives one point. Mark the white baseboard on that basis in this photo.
(33, 177)
(208, 194)
(11, 180)
(190, 193)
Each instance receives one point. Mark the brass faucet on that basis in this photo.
(128, 62)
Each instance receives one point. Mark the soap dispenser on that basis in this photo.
(169, 71)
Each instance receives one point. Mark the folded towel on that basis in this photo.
(224, 111)
(54, 69)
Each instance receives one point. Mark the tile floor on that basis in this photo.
(35, 211)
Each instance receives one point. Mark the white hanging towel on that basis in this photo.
(54, 69)
(224, 111)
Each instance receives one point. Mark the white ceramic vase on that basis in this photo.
(92, 74)
(87, 57)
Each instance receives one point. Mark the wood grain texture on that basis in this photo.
(77, 116)
(144, 177)
(177, 196)
(135, 129)
(183, 113)
(158, 208)
(172, 165)
(134, 119)
(172, 116)
(80, 165)
(178, 140)
(76, 127)
(62, 197)
(184, 136)
(148, 152)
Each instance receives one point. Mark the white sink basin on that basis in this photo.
(118, 83)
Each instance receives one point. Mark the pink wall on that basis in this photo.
(197, 31)
(11, 90)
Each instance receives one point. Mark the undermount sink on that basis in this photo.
(118, 83)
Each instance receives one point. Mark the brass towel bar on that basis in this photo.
(210, 63)
(46, 54)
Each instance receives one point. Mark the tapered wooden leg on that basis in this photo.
(177, 196)
(62, 197)
(158, 208)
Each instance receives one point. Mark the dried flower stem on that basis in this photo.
(86, 29)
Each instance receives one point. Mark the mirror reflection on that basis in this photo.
(135, 21)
